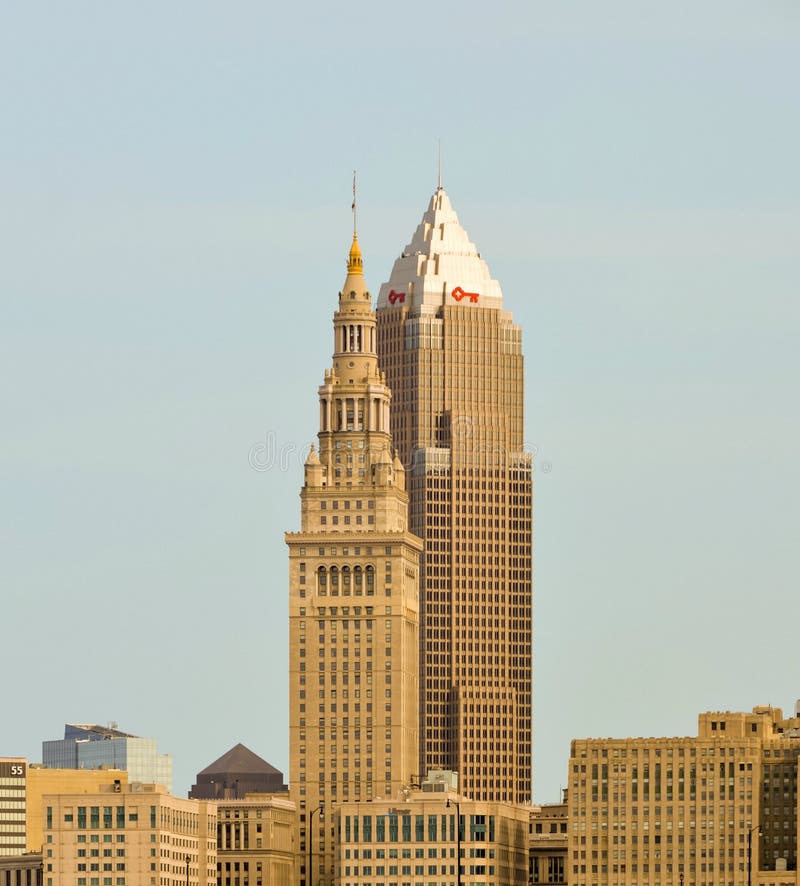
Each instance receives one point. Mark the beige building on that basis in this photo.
(22, 786)
(256, 841)
(353, 596)
(548, 843)
(43, 781)
(453, 359)
(129, 835)
(419, 840)
(718, 809)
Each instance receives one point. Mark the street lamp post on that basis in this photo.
(321, 810)
(458, 837)
(750, 852)
(188, 859)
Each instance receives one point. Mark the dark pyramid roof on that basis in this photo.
(240, 760)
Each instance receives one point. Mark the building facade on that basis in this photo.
(548, 843)
(256, 841)
(43, 782)
(718, 809)
(129, 835)
(86, 746)
(13, 791)
(22, 787)
(421, 840)
(21, 870)
(353, 596)
(453, 359)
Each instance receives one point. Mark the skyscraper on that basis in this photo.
(453, 359)
(353, 596)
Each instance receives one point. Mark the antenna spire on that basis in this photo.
(440, 165)
(353, 207)
(355, 264)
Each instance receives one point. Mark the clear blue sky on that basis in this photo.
(174, 220)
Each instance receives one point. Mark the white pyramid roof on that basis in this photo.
(440, 266)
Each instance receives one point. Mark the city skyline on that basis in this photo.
(630, 178)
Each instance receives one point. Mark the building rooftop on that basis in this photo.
(240, 760)
(72, 730)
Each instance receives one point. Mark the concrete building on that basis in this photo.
(548, 843)
(42, 782)
(353, 596)
(420, 839)
(129, 835)
(235, 774)
(87, 746)
(256, 841)
(718, 809)
(453, 359)
(22, 787)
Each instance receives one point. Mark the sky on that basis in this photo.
(174, 222)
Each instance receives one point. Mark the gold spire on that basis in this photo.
(355, 264)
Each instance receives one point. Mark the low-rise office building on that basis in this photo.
(422, 839)
(548, 842)
(716, 809)
(129, 835)
(256, 841)
(22, 786)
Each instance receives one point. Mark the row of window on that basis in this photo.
(345, 610)
(345, 551)
(112, 817)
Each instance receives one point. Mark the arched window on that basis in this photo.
(322, 580)
(370, 570)
(334, 580)
(345, 579)
(358, 576)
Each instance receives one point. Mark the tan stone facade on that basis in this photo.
(548, 843)
(129, 835)
(22, 787)
(353, 597)
(706, 810)
(256, 841)
(453, 359)
(43, 781)
(416, 841)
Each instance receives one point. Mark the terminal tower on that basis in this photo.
(353, 597)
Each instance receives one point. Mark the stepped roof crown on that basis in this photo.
(440, 266)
